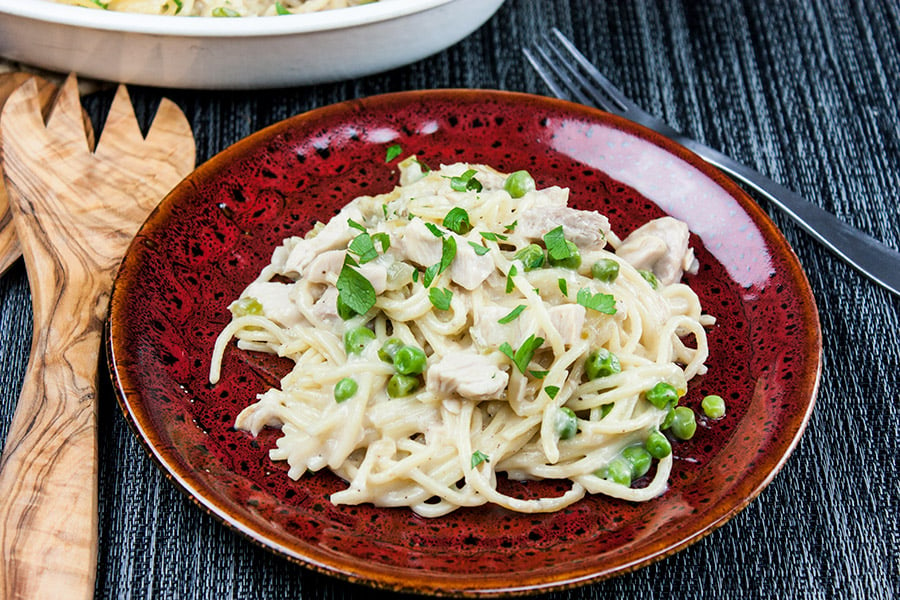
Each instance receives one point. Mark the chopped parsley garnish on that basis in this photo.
(280, 9)
(522, 357)
(479, 249)
(448, 252)
(563, 286)
(434, 229)
(383, 239)
(392, 152)
(600, 302)
(539, 374)
(354, 290)
(224, 11)
(555, 241)
(494, 237)
(466, 182)
(355, 225)
(440, 298)
(479, 457)
(511, 227)
(513, 314)
(430, 273)
(510, 284)
(457, 221)
(552, 391)
(105, 5)
(363, 247)
(384, 209)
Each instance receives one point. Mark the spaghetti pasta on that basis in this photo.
(466, 325)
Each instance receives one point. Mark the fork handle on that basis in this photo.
(872, 258)
(48, 471)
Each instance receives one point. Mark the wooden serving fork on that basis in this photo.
(9, 82)
(75, 213)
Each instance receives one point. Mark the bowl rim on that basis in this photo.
(168, 26)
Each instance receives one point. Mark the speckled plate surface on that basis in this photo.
(214, 232)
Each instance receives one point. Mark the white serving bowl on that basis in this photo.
(234, 53)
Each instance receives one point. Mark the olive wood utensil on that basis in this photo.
(75, 213)
(9, 244)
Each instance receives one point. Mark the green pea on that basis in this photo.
(400, 385)
(639, 459)
(566, 423)
(409, 360)
(602, 363)
(356, 339)
(713, 406)
(605, 269)
(658, 445)
(519, 183)
(684, 424)
(389, 349)
(345, 389)
(619, 471)
(246, 306)
(572, 262)
(650, 278)
(532, 257)
(662, 394)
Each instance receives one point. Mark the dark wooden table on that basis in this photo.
(806, 92)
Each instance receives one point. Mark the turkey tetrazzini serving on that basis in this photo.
(467, 324)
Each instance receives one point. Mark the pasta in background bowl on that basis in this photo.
(234, 53)
(214, 235)
(217, 8)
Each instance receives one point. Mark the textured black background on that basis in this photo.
(805, 92)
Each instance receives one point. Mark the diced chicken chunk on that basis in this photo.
(326, 267)
(467, 374)
(422, 247)
(325, 308)
(567, 319)
(335, 234)
(585, 228)
(276, 301)
(660, 246)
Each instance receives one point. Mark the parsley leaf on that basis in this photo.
(440, 298)
(563, 286)
(354, 290)
(457, 221)
(511, 227)
(466, 182)
(512, 315)
(552, 391)
(604, 303)
(383, 239)
(494, 237)
(555, 240)
(363, 247)
(479, 457)
(434, 229)
(522, 357)
(513, 271)
(393, 152)
(430, 273)
(355, 225)
(479, 249)
(539, 374)
(448, 252)
(279, 9)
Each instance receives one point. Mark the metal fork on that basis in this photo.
(570, 76)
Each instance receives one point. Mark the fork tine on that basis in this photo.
(123, 122)
(65, 120)
(592, 72)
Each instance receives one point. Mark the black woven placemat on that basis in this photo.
(807, 93)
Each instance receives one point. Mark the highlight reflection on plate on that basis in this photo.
(214, 232)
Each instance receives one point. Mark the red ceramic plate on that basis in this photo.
(214, 232)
